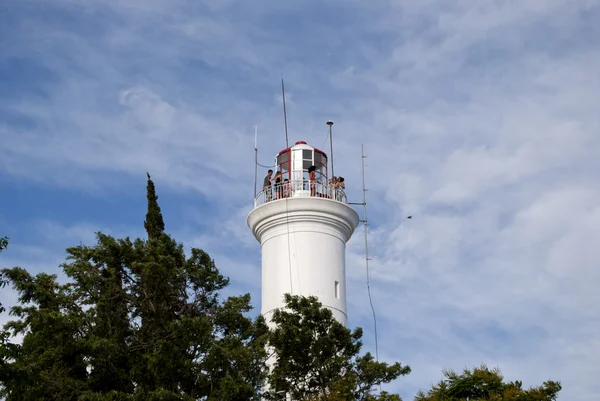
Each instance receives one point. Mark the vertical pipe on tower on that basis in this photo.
(330, 123)
(255, 159)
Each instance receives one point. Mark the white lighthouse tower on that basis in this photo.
(303, 225)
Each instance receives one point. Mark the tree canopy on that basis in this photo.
(138, 319)
(483, 383)
(318, 358)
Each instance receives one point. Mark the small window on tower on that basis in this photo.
(337, 290)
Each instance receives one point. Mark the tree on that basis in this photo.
(3, 245)
(137, 320)
(317, 358)
(99, 282)
(154, 223)
(483, 383)
(50, 361)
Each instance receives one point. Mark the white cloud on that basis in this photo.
(480, 120)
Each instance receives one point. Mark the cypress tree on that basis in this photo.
(154, 223)
(159, 298)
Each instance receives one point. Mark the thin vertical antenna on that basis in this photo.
(364, 203)
(255, 159)
(365, 224)
(284, 114)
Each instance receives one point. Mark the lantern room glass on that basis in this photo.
(294, 165)
(282, 162)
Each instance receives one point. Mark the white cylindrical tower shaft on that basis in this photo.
(302, 222)
(303, 243)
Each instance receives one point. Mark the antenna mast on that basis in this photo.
(365, 224)
(284, 114)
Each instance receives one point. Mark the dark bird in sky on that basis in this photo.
(409, 217)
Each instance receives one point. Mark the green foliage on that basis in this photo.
(136, 320)
(154, 223)
(317, 358)
(483, 383)
(3, 245)
(49, 364)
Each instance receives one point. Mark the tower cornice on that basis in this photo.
(299, 214)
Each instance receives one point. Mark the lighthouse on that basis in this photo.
(303, 223)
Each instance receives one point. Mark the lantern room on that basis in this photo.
(295, 162)
(301, 171)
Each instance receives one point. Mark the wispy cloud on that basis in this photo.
(479, 119)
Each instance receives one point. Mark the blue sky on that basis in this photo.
(480, 119)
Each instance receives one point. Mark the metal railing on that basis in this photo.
(300, 189)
